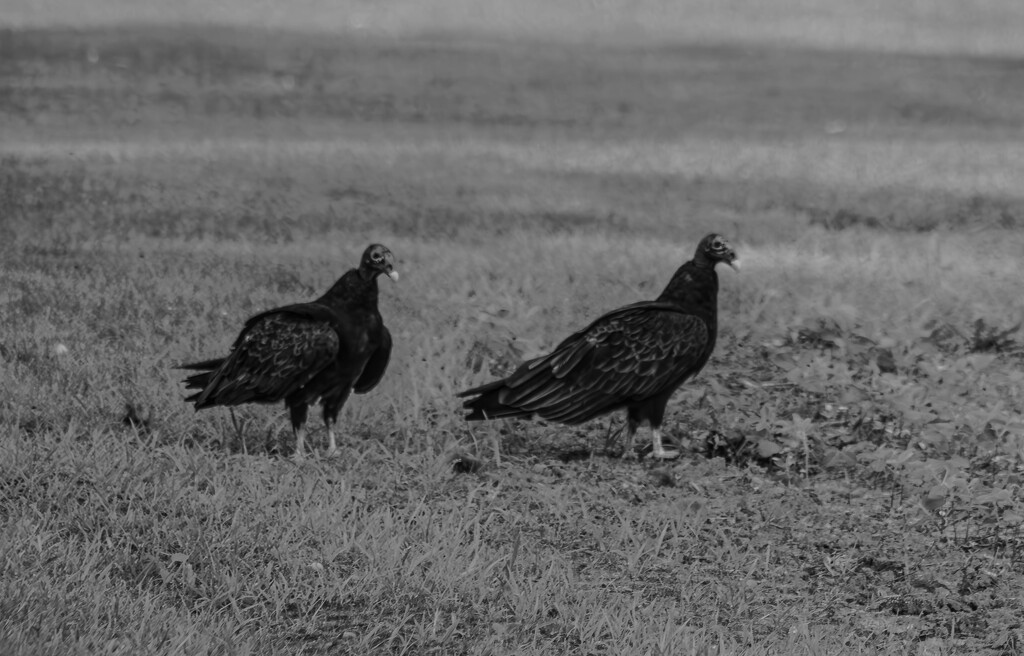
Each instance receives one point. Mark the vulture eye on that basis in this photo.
(377, 257)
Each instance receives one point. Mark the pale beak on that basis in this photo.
(735, 264)
(390, 273)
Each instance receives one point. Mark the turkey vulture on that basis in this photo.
(308, 351)
(633, 357)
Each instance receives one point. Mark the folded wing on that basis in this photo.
(628, 355)
(376, 365)
(276, 354)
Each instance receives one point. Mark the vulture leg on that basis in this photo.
(658, 450)
(298, 411)
(300, 443)
(332, 406)
(653, 412)
(332, 441)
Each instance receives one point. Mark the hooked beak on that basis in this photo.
(390, 271)
(735, 264)
(389, 266)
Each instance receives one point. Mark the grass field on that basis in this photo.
(852, 468)
(979, 27)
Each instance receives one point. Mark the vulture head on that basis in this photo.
(714, 249)
(377, 260)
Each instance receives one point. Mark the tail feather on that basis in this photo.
(205, 365)
(538, 392)
(199, 381)
(220, 394)
(202, 380)
(487, 404)
(488, 407)
(483, 389)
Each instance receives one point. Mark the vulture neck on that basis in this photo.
(694, 287)
(352, 290)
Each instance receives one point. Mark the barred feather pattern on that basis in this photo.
(274, 357)
(623, 357)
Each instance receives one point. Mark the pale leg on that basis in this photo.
(332, 405)
(332, 444)
(658, 451)
(300, 443)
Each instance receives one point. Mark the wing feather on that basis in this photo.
(276, 354)
(628, 355)
(375, 367)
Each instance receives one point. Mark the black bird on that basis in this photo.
(634, 357)
(300, 353)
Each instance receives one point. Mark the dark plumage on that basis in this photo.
(300, 353)
(634, 357)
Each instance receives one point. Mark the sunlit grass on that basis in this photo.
(962, 166)
(876, 509)
(386, 549)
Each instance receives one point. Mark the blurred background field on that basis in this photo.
(852, 473)
(934, 26)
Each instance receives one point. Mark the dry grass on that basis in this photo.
(870, 511)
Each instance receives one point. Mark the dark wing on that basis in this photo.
(201, 380)
(276, 353)
(376, 365)
(626, 356)
(313, 312)
(205, 365)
